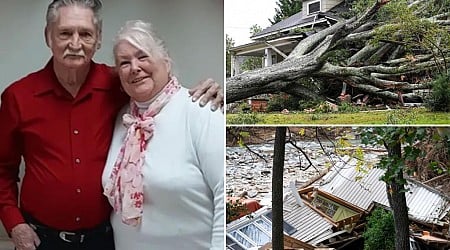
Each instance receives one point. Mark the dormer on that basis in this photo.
(312, 7)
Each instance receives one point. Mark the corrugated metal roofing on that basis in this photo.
(425, 204)
(341, 182)
(308, 223)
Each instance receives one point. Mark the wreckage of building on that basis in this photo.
(330, 213)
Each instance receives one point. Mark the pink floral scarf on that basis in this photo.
(125, 188)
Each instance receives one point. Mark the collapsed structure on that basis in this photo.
(330, 213)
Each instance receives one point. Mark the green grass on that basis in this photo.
(411, 116)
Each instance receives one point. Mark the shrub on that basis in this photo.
(439, 99)
(348, 108)
(380, 231)
(307, 104)
(282, 101)
(244, 107)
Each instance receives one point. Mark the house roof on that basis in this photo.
(309, 224)
(425, 204)
(290, 22)
(299, 20)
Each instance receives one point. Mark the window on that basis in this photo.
(233, 245)
(239, 238)
(325, 205)
(313, 7)
(255, 233)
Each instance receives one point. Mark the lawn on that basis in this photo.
(410, 116)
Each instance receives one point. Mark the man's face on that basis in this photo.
(73, 37)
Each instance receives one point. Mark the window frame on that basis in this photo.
(308, 11)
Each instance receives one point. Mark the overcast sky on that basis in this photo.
(240, 15)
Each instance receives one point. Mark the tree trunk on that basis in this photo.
(397, 201)
(277, 189)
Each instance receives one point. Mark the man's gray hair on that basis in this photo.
(94, 5)
(142, 36)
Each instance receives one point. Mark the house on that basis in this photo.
(275, 43)
(330, 211)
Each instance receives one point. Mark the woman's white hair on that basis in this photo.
(141, 35)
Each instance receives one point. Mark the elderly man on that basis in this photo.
(60, 120)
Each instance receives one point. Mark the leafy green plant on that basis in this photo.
(380, 232)
(388, 136)
(439, 99)
(346, 107)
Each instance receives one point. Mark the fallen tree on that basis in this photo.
(384, 56)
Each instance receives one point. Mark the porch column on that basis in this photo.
(268, 57)
(232, 64)
(235, 65)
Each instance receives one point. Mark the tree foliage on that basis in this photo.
(285, 9)
(391, 136)
(229, 45)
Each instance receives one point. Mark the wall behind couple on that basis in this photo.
(192, 30)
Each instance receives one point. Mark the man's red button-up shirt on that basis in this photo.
(64, 143)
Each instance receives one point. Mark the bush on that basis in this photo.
(244, 107)
(348, 108)
(439, 99)
(307, 104)
(380, 231)
(282, 101)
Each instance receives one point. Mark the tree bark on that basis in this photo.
(277, 189)
(397, 201)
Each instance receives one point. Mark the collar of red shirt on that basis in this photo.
(100, 77)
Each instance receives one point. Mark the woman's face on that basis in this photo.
(142, 76)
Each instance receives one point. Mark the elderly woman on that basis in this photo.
(164, 173)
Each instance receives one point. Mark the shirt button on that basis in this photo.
(78, 190)
(77, 219)
(77, 160)
(76, 132)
